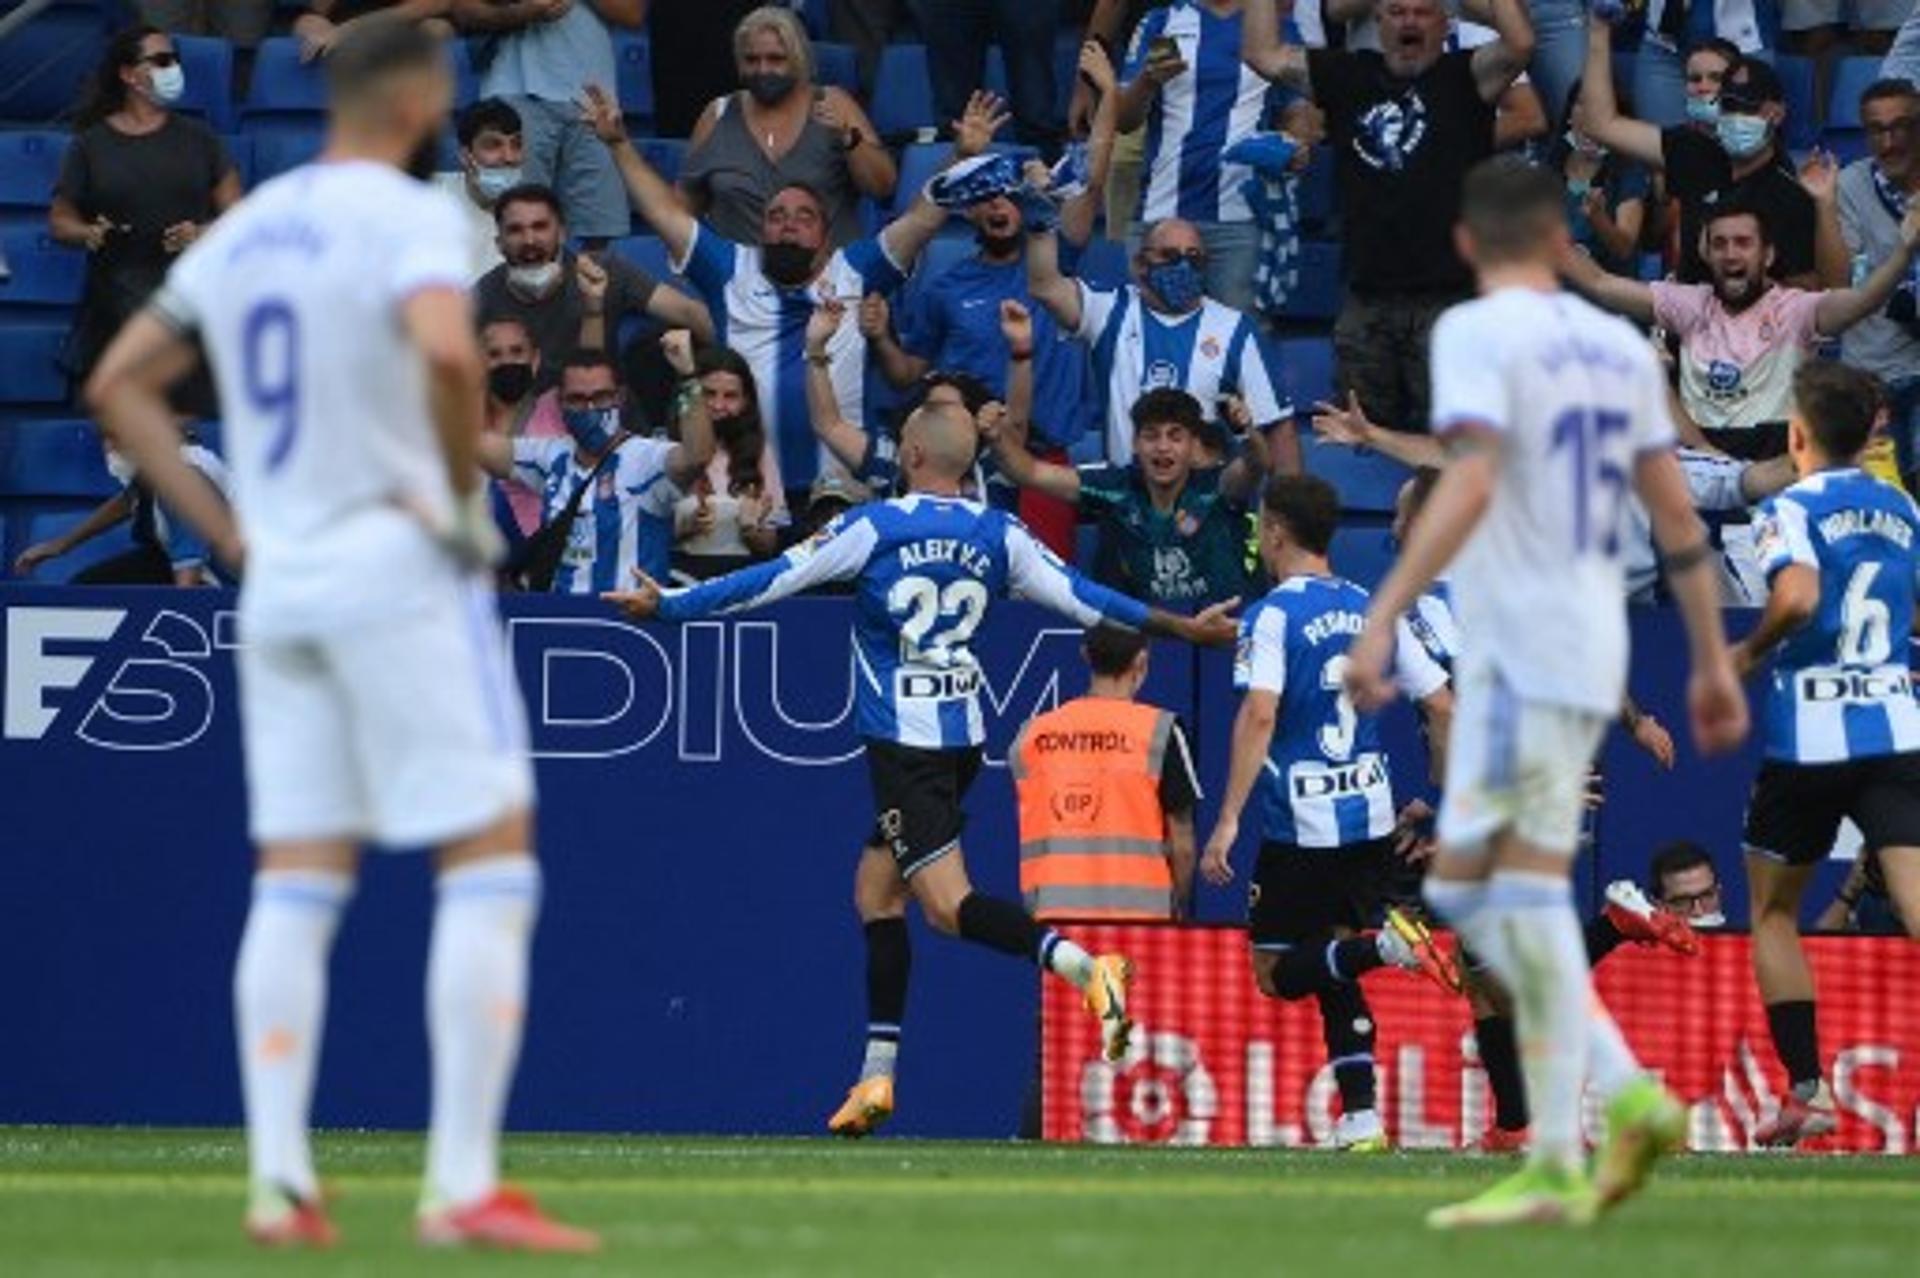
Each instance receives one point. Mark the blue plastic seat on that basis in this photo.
(1851, 76)
(1306, 370)
(282, 144)
(240, 151)
(633, 71)
(666, 155)
(649, 253)
(902, 92)
(59, 457)
(31, 373)
(43, 272)
(1803, 106)
(30, 162)
(45, 64)
(1321, 289)
(1102, 264)
(836, 64)
(26, 522)
(1362, 552)
(282, 82)
(208, 65)
(1366, 481)
(1318, 208)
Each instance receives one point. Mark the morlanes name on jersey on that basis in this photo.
(1886, 524)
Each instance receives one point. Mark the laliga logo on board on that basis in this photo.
(1159, 1093)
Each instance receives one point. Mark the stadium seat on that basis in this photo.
(29, 166)
(240, 151)
(817, 14)
(45, 64)
(1306, 370)
(282, 83)
(1317, 205)
(1366, 481)
(466, 81)
(1797, 77)
(1851, 76)
(836, 64)
(43, 273)
(208, 64)
(1102, 264)
(649, 253)
(1362, 552)
(1319, 292)
(902, 93)
(666, 155)
(1066, 70)
(61, 457)
(633, 74)
(24, 523)
(941, 256)
(31, 374)
(283, 144)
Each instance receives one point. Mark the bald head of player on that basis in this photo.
(389, 94)
(937, 448)
(1513, 224)
(1834, 411)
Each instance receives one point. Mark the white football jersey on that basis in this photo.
(296, 296)
(1576, 397)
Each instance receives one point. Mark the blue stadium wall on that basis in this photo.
(698, 965)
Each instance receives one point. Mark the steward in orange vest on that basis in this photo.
(1107, 791)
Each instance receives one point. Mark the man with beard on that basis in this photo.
(1744, 158)
(1874, 194)
(1407, 123)
(569, 300)
(762, 295)
(1742, 337)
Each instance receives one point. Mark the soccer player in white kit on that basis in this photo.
(1551, 409)
(377, 698)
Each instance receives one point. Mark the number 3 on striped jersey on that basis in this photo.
(1336, 738)
(270, 373)
(1866, 625)
(921, 605)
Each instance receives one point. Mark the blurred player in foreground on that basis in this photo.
(928, 566)
(1552, 409)
(377, 698)
(1842, 726)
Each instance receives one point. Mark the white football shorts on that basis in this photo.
(1514, 764)
(408, 731)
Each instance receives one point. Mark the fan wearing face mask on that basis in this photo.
(1743, 159)
(1606, 195)
(761, 295)
(491, 150)
(139, 184)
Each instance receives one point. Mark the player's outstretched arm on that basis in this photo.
(1715, 701)
(1036, 573)
(1263, 48)
(437, 322)
(836, 553)
(127, 394)
(1252, 734)
(652, 197)
(1458, 502)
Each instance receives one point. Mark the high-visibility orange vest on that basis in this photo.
(1093, 837)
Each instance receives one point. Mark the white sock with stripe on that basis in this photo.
(279, 1003)
(476, 1008)
(1546, 971)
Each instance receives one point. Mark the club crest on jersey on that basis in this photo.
(604, 486)
(1210, 346)
(1723, 378)
(1390, 133)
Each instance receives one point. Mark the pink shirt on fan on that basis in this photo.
(1736, 370)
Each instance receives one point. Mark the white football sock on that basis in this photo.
(1552, 993)
(279, 1002)
(476, 1007)
(881, 1054)
(1611, 1064)
(1063, 957)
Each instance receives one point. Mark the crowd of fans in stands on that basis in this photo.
(800, 304)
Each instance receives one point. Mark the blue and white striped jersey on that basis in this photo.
(767, 325)
(1209, 352)
(1432, 622)
(927, 569)
(1215, 102)
(1840, 685)
(626, 515)
(1327, 784)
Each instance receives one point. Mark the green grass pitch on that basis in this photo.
(110, 1202)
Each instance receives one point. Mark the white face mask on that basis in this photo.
(165, 85)
(120, 468)
(495, 182)
(534, 281)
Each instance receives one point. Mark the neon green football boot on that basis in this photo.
(1644, 1121)
(1537, 1194)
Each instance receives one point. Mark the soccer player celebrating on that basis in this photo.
(1327, 798)
(927, 566)
(377, 697)
(1551, 409)
(1842, 728)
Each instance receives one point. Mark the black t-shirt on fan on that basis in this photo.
(1404, 148)
(1698, 170)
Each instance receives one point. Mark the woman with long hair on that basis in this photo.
(140, 183)
(733, 514)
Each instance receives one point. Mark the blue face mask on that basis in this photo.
(591, 428)
(1742, 136)
(1703, 110)
(1179, 284)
